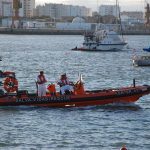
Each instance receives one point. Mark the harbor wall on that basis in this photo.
(41, 31)
(35, 31)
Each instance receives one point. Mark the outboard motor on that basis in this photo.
(134, 82)
(67, 92)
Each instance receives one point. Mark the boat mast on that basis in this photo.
(147, 13)
(119, 17)
(116, 12)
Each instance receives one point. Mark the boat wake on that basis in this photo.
(122, 106)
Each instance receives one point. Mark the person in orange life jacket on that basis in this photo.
(41, 80)
(64, 84)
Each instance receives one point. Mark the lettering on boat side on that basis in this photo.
(43, 99)
(132, 91)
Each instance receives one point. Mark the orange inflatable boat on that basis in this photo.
(80, 96)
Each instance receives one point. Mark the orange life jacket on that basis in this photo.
(42, 79)
(64, 81)
(51, 88)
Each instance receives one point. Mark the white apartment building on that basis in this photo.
(27, 9)
(6, 8)
(109, 10)
(60, 10)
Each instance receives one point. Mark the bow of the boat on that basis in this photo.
(145, 89)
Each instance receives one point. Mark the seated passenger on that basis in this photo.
(65, 84)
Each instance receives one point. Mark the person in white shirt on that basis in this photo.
(41, 80)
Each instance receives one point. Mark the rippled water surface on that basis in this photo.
(92, 128)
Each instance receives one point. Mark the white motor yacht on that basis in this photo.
(141, 61)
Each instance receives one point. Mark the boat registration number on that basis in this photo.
(43, 99)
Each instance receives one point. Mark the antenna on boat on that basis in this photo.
(80, 77)
(119, 16)
(133, 82)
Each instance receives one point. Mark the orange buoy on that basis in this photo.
(11, 84)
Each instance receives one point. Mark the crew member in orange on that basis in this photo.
(41, 80)
(123, 148)
(65, 84)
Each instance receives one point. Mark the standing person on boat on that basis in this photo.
(65, 84)
(41, 80)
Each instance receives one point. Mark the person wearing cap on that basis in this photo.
(41, 80)
(65, 84)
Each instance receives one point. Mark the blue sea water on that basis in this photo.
(90, 128)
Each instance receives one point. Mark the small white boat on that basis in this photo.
(102, 41)
(104, 38)
(141, 61)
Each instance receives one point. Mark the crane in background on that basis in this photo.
(147, 14)
(16, 7)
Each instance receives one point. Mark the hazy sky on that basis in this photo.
(134, 5)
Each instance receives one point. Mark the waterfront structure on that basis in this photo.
(6, 8)
(77, 23)
(132, 17)
(60, 10)
(133, 14)
(27, 9)
(106, 10)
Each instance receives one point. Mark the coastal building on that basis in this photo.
(77, 23)
(134, 14)
(60, 10)
(6, 8)
(132, 17)
(27, 9)
(106, 10)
